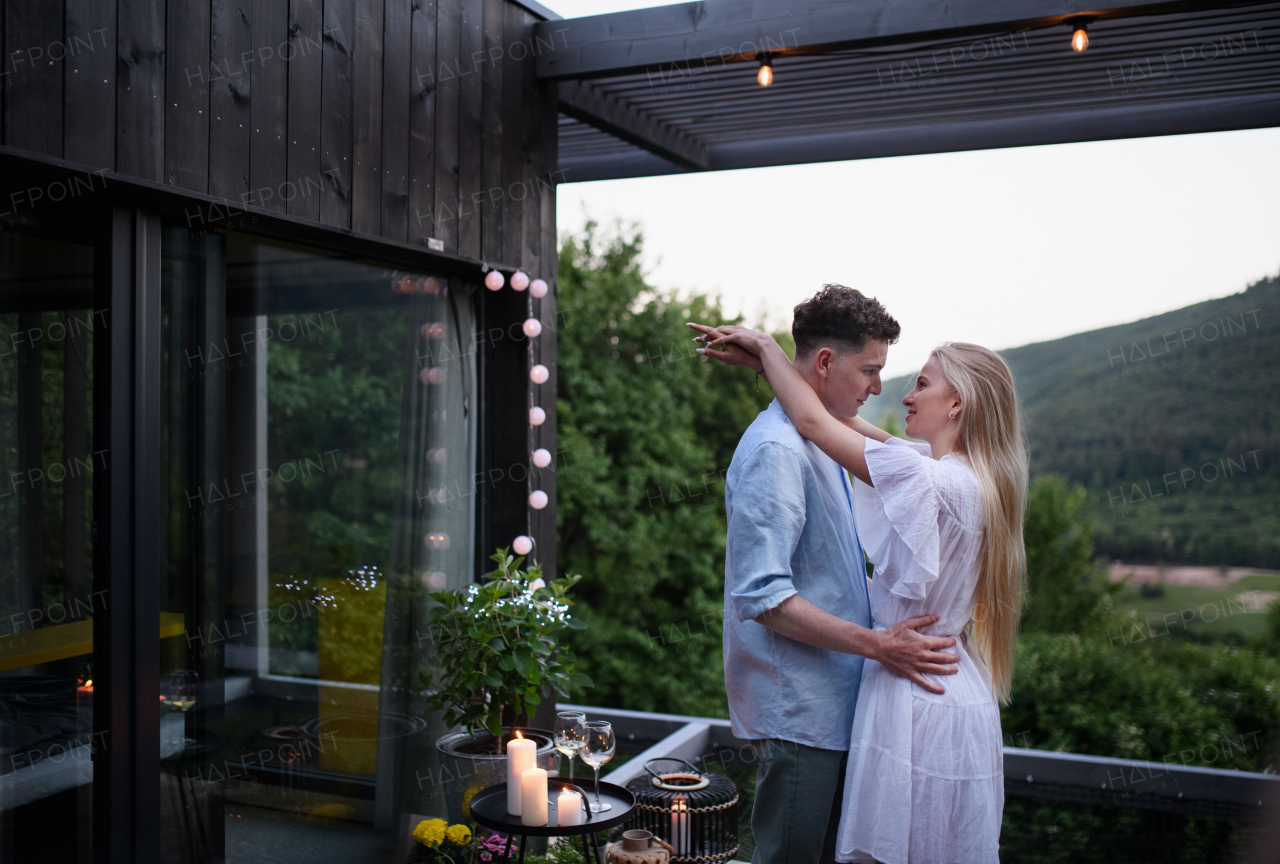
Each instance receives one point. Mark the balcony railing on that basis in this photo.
(1173, 788)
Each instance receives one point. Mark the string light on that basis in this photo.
(538, 288)
(436, 541)
(537, 416)
(493, 280)
(765, 75)
(519, 280)
(522, 545)
(532, 327)
(538, 500)
(539, 374)
(541, 456)
(1080, 36)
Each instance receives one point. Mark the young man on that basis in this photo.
(797, 615)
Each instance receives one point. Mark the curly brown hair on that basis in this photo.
(842, 319)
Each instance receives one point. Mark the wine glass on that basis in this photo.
(571, 729)
(598, 749)
(180, 689)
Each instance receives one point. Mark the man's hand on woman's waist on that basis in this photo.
(900, 648)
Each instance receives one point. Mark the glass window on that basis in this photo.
(319, 426)
(47, 598)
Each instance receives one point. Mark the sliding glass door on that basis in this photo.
(48, 596)
(319, 425)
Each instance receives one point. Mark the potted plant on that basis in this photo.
(497, 657)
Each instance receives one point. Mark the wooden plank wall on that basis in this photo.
(406, 120)
(400, 119)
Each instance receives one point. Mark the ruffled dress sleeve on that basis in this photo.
(898, 519)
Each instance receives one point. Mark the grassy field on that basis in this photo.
(1240, 607)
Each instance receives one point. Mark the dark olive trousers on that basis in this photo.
(799, 794)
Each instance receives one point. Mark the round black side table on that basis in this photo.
(489, 809)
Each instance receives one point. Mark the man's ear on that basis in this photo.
(822, 361)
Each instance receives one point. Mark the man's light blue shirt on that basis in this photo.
(791, 531)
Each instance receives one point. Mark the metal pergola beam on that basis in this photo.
(1058, 127)
(712, 32)
(609, 114)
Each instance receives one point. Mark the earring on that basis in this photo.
(952, 415)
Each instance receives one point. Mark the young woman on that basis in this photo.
(942, 523)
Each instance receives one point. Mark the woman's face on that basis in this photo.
(930, 403)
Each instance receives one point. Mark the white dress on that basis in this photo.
(925, 782)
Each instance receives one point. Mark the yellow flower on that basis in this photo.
(458, 835)
(466, 800)
(430, 832)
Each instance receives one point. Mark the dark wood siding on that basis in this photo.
(407, 120)
(404, 119)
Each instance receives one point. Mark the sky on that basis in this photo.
(999, 247)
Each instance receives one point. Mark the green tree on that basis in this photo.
(889, 423)
(647, 428)
(1066, 593)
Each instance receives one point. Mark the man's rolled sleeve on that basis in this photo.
(765, 523)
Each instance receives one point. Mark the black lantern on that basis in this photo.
(696, 813)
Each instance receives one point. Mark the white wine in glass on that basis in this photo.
(181, 688)
(570, 731)
(596, 751)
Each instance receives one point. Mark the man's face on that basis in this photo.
(849, 380)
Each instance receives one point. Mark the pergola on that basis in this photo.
(673, 88)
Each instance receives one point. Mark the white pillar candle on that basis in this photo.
(569, 808)
(533, 796)
(680, 826)
(521, 753)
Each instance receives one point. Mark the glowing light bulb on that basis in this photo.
(519, 280)
(538, 500)
(493, 280)
(541, 456)
(1079, 39)
(537, 416)
(532, 327)
(539, 374)
(765, 75)
(538, 288)
(522, 545)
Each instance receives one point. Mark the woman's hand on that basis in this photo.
(741, 346)
(732, 345)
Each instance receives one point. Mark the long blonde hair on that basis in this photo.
(991, 438)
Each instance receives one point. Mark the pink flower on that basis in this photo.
(485, 856)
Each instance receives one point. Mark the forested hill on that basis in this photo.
(1171, 422)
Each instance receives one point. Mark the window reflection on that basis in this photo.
(318, 432)
(47, 599)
